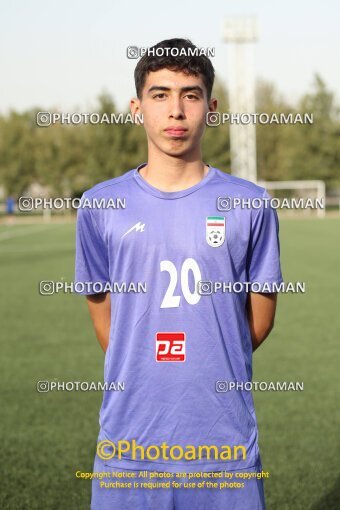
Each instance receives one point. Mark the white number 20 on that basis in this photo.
(172, 301)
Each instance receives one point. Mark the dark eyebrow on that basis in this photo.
(194, 88)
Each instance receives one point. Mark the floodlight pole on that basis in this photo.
(241, 32)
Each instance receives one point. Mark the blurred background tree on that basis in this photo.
(67, 159)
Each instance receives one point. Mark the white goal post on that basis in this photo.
(301, 186)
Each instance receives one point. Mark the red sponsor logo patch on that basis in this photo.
(170, 346)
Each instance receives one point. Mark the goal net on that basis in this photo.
(297, 197)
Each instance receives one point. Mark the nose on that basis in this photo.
(176, 108)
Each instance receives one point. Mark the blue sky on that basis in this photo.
(64, 54)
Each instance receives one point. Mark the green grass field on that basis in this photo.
(47, 437)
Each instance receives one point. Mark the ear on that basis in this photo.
(212, 104)
(135, 109)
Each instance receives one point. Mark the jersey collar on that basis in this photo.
(170, 194)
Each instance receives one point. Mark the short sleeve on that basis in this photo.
(264, 249)
(92, 263)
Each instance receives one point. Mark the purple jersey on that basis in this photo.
(173, 337)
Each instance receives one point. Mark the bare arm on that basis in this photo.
(100, 311)
(261, 314)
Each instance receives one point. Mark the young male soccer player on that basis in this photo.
(176, 344)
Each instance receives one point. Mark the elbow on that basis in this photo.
(266, 329)
(270, 326)
(261, 332)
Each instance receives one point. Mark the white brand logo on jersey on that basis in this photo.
(215, 230)
(139, 227)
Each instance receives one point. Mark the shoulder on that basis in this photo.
(237, 186)
(106, 188)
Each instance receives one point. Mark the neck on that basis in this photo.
(167, 173)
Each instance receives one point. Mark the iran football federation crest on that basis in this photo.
(215, 230)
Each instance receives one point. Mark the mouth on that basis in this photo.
(175, 132)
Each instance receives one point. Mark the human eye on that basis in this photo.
(192, 97)
(160, 95)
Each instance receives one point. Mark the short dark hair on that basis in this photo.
(193, 64)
